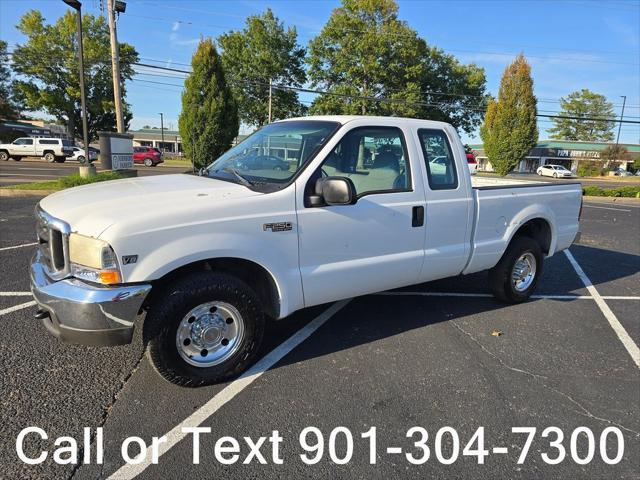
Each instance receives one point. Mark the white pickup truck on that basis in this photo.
(51, 149)
(303, 212)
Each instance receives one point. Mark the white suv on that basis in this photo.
(51, 149)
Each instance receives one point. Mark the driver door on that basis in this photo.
(378, 242)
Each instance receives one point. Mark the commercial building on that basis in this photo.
(168, 141)
(560, 152)
(33, 128)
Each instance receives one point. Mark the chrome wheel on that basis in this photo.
(524, 272)
(209, 334)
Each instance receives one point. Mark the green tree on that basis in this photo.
(509, 130)
(48, 65)
(209, 119)
(612, 155)
(260, 52)
(9, 108)
(365, 53)
(584, 103)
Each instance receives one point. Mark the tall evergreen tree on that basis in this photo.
(209, 119)
(584, 103)
(260, 52)
(510, 130)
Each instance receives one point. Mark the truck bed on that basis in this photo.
(503, 205)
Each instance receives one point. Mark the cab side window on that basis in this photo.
(438, 156)
(24, 141)
(374, 158)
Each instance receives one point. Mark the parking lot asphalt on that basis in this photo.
(439, 354)
(35, 170)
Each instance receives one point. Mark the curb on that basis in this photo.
(10, 192)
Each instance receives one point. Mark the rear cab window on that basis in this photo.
(439, 159)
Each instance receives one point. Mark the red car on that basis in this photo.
(149, 156)
(473, 164)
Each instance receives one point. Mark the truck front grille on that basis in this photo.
(53, 240)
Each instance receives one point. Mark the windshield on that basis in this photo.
(273, 154)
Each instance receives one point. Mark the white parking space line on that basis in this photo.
(15, 294)
(607, 208)
(622, 334)
(196, 419)
(16, 308)
(19, 246)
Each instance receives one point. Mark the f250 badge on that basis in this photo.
(278, 227)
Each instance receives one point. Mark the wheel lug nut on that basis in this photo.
(186, 342)
(204, 352)
(225, 342)
(191, 319)
(229, 321)
(213, 309)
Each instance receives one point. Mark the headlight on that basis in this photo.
(93, 260)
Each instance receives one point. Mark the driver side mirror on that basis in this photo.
(334, 191)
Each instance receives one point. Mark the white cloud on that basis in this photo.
(175, 27)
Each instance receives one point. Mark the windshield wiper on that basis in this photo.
(241, 179)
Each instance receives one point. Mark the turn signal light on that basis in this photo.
(109, 277)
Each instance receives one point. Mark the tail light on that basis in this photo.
(580, 213)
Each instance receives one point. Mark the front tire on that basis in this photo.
(4, 156)
(516, 275)
(203, 329)
(81, 159)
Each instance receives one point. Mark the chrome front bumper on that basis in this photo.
(82, 313)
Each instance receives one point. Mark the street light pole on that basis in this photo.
(75, 4)
(161, 133)
(624, 101)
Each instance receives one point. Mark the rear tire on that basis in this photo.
(148, 162)
(60, 159)
(81, 159)
(17, 159)
(186, 335)
(508, 280)
(49, 157)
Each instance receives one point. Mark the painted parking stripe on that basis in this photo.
(607, 208)
(15, 294)
(16, 308)
(19, 246)
(622, 334)
(176, 434)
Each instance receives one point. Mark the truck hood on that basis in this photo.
(91, 209)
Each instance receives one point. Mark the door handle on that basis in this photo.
(417, 216)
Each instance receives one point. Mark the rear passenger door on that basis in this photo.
(448, 207)
(374, 244)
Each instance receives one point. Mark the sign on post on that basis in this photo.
(116, 150)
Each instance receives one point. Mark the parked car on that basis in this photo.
(473, 164)
(51, 149)
(555, 171)
(262, 162)
(78, 155)
(148, 156)
(207, 259)
(621, 172)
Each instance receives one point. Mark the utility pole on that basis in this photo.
(270, 95)
(161, 133)
(115, 65)
(75, 4)
(624, 101)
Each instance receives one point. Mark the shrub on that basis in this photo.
(626, 191)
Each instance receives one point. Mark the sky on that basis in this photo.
(570, 44)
